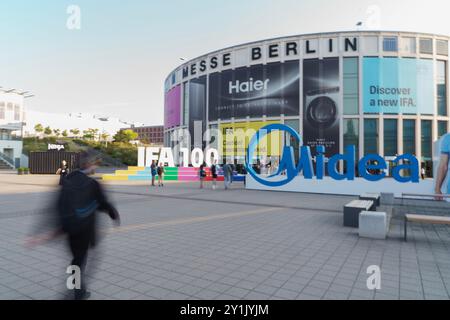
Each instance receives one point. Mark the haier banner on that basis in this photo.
(398, 86)
(321, 104)
(270, 90)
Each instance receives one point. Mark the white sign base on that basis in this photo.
(351, 188)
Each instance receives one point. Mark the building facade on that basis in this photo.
(12, 118)
(383, 92)
(152, 135)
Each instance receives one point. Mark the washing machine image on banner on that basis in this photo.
(321, 104)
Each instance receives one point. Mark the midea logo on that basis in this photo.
(249, 86)
(372, 167)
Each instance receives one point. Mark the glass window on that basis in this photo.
(426, 140)
(390, 138)
(442, 128)
(370, 136)
(390, 44)
(2, 110)
(351, 86)
(186, 103)
(442, 47)
(426, 46)
(351, 134)
(442, 88)
(408, 45)
(10, 106)
(291, 141)
(409, 136)
(16, 112)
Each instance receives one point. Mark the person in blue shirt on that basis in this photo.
(444, 167)
(153, 171)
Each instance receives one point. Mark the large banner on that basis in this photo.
(395, 86)
(197, 110)
(321, 104)
(172, 108)
(236, 137)
(270, 90)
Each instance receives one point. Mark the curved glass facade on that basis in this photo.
(384, 92)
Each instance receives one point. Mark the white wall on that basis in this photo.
(354, 188)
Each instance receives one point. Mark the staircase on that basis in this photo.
(5, 165)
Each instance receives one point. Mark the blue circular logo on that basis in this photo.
(254, 144)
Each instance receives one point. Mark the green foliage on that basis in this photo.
(125, 136)
(48, 131)
(39, 128)
(75, 132)
(65, 134)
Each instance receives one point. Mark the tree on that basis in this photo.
(48, 131)
(65, 134)
(87, 135)
(57, 132)
(125, 136)
(39, 128)
(75, 132)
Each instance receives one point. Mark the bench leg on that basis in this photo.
(406, 230)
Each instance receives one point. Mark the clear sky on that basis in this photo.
(117, 63)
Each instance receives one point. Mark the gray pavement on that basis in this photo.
(179, 242)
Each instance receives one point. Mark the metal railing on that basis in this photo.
(7, 159)
(432, 204)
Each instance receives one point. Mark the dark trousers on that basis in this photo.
(79, 246)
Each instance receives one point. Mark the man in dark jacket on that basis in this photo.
(79, 199)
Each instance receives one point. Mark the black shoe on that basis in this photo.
(81, 294)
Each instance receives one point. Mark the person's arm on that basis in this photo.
(105, 205)
(59, 171)
(442, 173)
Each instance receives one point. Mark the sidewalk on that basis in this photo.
(179, 242)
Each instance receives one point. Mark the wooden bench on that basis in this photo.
(424, 219)
(353, 209)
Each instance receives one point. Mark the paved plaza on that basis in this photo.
(180, 242)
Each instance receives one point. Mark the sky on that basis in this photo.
(116, 64)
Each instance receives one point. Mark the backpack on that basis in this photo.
(77, 206)
(159, 170)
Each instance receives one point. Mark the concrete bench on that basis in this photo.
(373, 225)
(424, 219)
(353, 209)
(375, 197)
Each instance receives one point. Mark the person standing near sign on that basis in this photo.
(444, 167)
(202, 175)
(214, 174)
(63, 171)
(153, 172)
(161, 175)
(227, 173)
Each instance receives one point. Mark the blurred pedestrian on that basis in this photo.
(79, 199)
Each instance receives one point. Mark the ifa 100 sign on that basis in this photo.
(310, 178)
